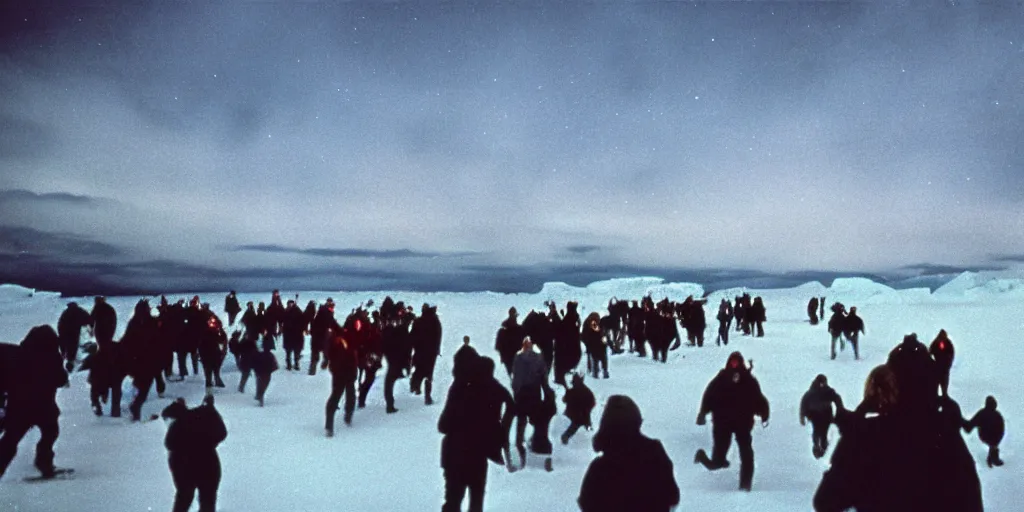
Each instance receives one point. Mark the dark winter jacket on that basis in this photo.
(104, 321)
(509, 339)
(593, 341)
(916, 374)
(426, 338)
(579, 403)
(69, 326)
(472, 433)
(942, 352)
(634, 474)
(897, 462)
(264, 363)
(231, 305)
(853, 324)
(343, 354)
(817, 403)
(139, 346)
(990, 425)
(32, 373)
(756, 313)
(193, 432)
(733, 398)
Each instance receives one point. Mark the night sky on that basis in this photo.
(467, 146)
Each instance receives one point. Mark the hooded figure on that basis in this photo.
(472, 433)
(634, 472)
(33, 372)
(732, 398)
(816, 405)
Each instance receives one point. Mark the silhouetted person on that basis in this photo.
(191, 442)
(816, 405)
(732, 398)
(472, 435)
(893, 454)
(34, 371)
(69, 330)
(633, 472)
(579, 402)
(942, 352)
(724, 320)
(990, 427)
(426, 344)
(812, 310)
(342, 359)
(231, 307)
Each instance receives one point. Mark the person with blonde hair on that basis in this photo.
(893, 454)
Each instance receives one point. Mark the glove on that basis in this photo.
(701, 420)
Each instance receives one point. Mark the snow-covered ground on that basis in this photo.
(277, 458)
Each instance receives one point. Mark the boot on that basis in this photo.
(547, 465)
(522, 455)
(606, 374)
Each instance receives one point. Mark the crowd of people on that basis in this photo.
(872, 466)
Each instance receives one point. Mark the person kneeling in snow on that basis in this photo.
(191, 442)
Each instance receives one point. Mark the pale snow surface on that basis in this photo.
(278, 459)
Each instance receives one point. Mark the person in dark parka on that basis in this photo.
(69, 330)
(529, 383)
(231, 307)
(293, 334)
(264, 365)
(633, 472)
(191, 441)
(397, 352)
(853, 327)
(509, 339)
(724, 319)
(318, 330)
(836, 326)
(426, 345)
(732, 398)
(891, 457)
(595, 341)
(756, 316)
(568, 351)
(213, 344)
(916, 376)
(104, 321)
(342, 354)
(140, 353)
(990, 427)
(472, 435)
(812, 310)
(816, 405)
(942, 352)
(579, 402)
(33, 372)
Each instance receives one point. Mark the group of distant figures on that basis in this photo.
(900, 449)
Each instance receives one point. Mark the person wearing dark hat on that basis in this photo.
(942, 352)
(816, 405)
(633, 472)
(509, 339)
(231, 307)
(732, 398)
(69, 330)
(37, 372)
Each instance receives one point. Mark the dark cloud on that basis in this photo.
(39, 244)
(345, 253)
(17, 195)
(1009, 258)
(927, 269)
(583, 249)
